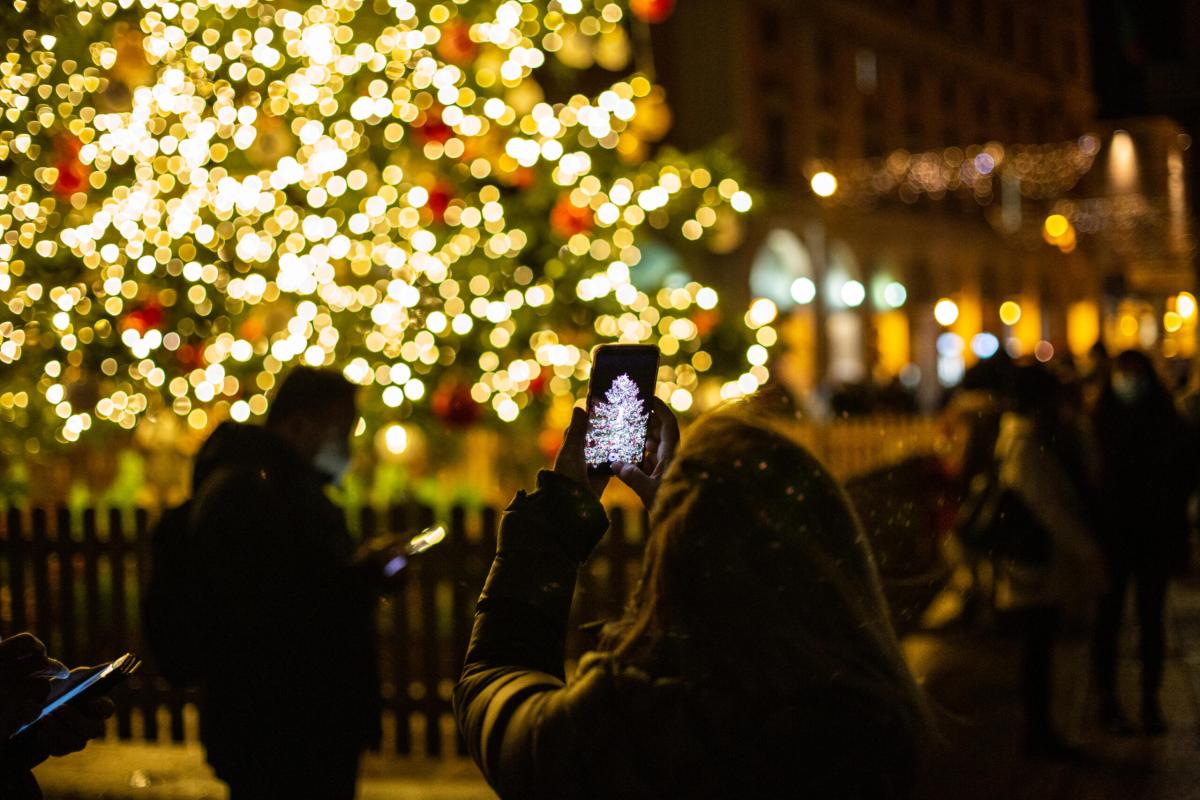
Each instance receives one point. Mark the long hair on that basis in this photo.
(759, 584)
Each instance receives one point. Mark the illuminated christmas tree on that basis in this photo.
(196, 195)
(617, 429)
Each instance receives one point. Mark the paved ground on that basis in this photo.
(970, 674)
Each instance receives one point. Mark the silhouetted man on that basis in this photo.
(289, 690)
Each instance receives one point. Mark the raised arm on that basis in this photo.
(511, 702)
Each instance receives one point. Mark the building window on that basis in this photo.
(778, 153)
(866, 71)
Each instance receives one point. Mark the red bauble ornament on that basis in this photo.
(453, 405)
(72, 173)
(143, 318)
(455, 45)
(652, 11)
(520, 178)
(568, 219)
(433, 129)
(705, 321)
(191, 356)
(537, 386)
(439, 200)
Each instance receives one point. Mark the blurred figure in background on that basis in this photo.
(1149, 469)
(1046, 550)
(290, 685)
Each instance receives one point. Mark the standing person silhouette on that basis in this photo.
(1148, 471)
(755, 659)
(289, 689)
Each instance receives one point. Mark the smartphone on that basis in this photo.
(619, 402)
(85, 685)
(418, 544)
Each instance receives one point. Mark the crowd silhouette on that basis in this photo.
(756, 656)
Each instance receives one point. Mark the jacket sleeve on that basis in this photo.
(1045, 488)
(512, 705)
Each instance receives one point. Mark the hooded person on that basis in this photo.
(289, 685)
(1149, 468)
(755, 659)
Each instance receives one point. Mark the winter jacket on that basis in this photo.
(615, 732)
(1149, 469)
(292, 669)
(1035, 474)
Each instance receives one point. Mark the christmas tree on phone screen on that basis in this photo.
(618, 425)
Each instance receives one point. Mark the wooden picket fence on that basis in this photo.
(74, 579)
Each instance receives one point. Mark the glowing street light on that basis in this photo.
(824, 184)
(946, 312)
(1010, 312)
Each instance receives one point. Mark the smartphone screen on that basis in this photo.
(619, 403)
(418, 544)
(65, 690)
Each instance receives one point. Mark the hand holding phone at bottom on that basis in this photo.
(70, 728)
(662, 441)
(26, 672)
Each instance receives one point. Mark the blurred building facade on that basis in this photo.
(917, 286)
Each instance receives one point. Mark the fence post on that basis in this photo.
(68, 650)
(427, 581)
(120, 598)
(90, 550)
(17, 556)
(402, 705)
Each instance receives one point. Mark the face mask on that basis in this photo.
(333, 461)
(1127, 388)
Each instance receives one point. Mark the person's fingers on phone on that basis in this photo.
(100, 707)
(53, 668)
(25, 654)
(644, 486)
(21, 646)
(21, 702)
(569, 461)
(668, 436)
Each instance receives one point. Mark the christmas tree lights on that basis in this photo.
(196, 195)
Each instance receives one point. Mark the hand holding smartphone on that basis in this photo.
(83, 685)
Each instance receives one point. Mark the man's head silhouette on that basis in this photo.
(314, 411)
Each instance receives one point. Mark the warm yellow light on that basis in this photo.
(1056, 226)
(1010, 312)
(762, 312)
(1128, 325)
(1172, 322)
(395, 438)
(946, 312)
(824, 184)
(1185, 305)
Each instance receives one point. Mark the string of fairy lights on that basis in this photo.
(197, 195)
(1041, 171)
